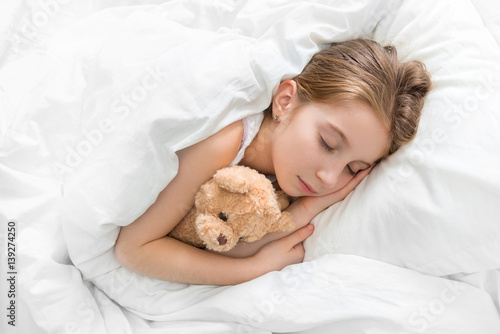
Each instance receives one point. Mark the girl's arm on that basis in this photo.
(143, 246)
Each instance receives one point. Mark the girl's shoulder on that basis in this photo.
(216, 151)
(233, 132)
(228, 140)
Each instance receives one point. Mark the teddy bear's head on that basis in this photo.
(238, 203)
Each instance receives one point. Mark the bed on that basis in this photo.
(92, 111)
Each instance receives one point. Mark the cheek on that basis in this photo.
(284, 149)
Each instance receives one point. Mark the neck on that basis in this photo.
(258, 154)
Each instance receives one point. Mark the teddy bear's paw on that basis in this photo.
(285, 222)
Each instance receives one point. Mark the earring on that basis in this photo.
(276, 117)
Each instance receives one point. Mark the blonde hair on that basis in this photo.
(362, 69)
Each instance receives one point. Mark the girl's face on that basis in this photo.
(317, 148)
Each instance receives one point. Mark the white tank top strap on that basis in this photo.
(251, 126)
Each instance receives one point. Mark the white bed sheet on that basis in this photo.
(58, 94)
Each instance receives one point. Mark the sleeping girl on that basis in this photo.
(353, 105)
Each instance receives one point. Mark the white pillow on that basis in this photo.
(490, 13)
(434, 205)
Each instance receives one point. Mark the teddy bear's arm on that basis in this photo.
(284, 224)
(283, 199)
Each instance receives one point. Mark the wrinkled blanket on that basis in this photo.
(96, 98)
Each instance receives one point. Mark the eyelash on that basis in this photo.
(350, 171)
(331, 149)
(325, 145)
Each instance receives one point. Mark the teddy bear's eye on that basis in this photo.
(223, 216)
(241, 238)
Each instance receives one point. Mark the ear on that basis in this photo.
(283, 97)
(236, 179)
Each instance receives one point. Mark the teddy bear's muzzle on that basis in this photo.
(222, 239)
(215, 233)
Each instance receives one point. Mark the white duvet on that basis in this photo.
(96, 98)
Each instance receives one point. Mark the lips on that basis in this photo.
(306, 188)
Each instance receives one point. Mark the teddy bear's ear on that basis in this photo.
(236, 179)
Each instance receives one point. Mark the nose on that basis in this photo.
(329, 176)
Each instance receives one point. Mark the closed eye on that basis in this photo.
(350, 171)
(325, 145)
(331, 149)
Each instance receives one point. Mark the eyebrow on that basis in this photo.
(337, 130)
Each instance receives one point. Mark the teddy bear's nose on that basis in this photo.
(222, 239)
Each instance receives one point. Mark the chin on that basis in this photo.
(285, 189)
(288, 189)
(292, 192)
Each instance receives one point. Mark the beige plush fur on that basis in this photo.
(238, 203)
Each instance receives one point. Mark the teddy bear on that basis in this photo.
(236, 204)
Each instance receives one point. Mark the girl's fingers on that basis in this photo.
(351, 185)
(358, 178)
(361, 175)
(298, 236)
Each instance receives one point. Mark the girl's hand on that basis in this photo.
(282, 252)
(315, 205)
